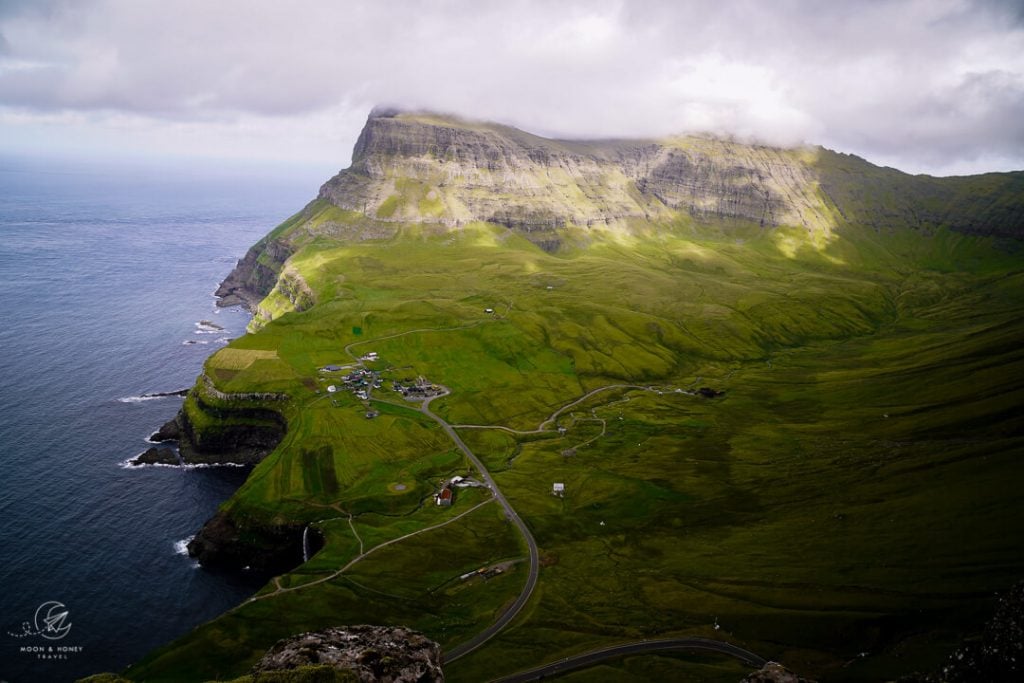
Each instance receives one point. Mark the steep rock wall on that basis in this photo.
(531, 184)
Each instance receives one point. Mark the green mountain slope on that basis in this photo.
(844, 498)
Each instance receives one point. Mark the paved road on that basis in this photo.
(531, 580)
(584, 397)
(642, 647)
(543, 428)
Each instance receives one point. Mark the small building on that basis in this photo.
(488, 310)
(370, 414)
(331, 388)
(445, 497)
(558, 489)
(330, 368)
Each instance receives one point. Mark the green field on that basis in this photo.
(848, 507)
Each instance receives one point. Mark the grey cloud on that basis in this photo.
(925, 82)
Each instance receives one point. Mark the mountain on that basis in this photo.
(426, 169)
(535, 397)
(409, 167)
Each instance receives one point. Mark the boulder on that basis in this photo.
(389, 654)
(156, 456)
(773, 672)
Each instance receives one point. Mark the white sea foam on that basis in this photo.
(139, 399)
(181, 547)
(207, 330)
(129, 465)
(190, 342)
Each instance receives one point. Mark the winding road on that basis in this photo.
(580, 661)
(531, 580)
(593, 657)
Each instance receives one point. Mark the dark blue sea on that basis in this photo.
(104, 273)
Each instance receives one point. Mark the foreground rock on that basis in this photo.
(372, 653)
(773, 672)
(996, 657)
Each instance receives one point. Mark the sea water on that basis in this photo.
(104, 275)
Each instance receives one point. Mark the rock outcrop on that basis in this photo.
(254, 275)
(997, 656)
(373, 653)
(233, 544)
(773, 672)
(156, 456)
(419, 167)
(239, 436)
(170, 431)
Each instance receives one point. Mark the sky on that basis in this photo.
(926, 86)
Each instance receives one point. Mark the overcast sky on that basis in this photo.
(924, 85)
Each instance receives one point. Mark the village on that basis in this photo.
(365, 377)
(361, 382)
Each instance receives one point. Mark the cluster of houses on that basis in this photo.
(361, 381)
(416, 389)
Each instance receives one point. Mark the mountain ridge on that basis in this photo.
(425, 168)
(707, 177)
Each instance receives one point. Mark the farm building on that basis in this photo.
(445, 497)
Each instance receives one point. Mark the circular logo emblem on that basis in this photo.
(52, 620)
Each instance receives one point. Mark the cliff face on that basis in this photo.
(421, 168)
(424, 168)
(254, 275)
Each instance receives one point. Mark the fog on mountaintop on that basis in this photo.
(935, 86)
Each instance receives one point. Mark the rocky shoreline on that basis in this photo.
(252, 279)
(225, 542)
(243, 544)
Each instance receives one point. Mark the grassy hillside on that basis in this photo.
(848, 506)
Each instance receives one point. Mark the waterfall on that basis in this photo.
(305, 544)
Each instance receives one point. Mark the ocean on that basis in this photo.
(105, 274)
